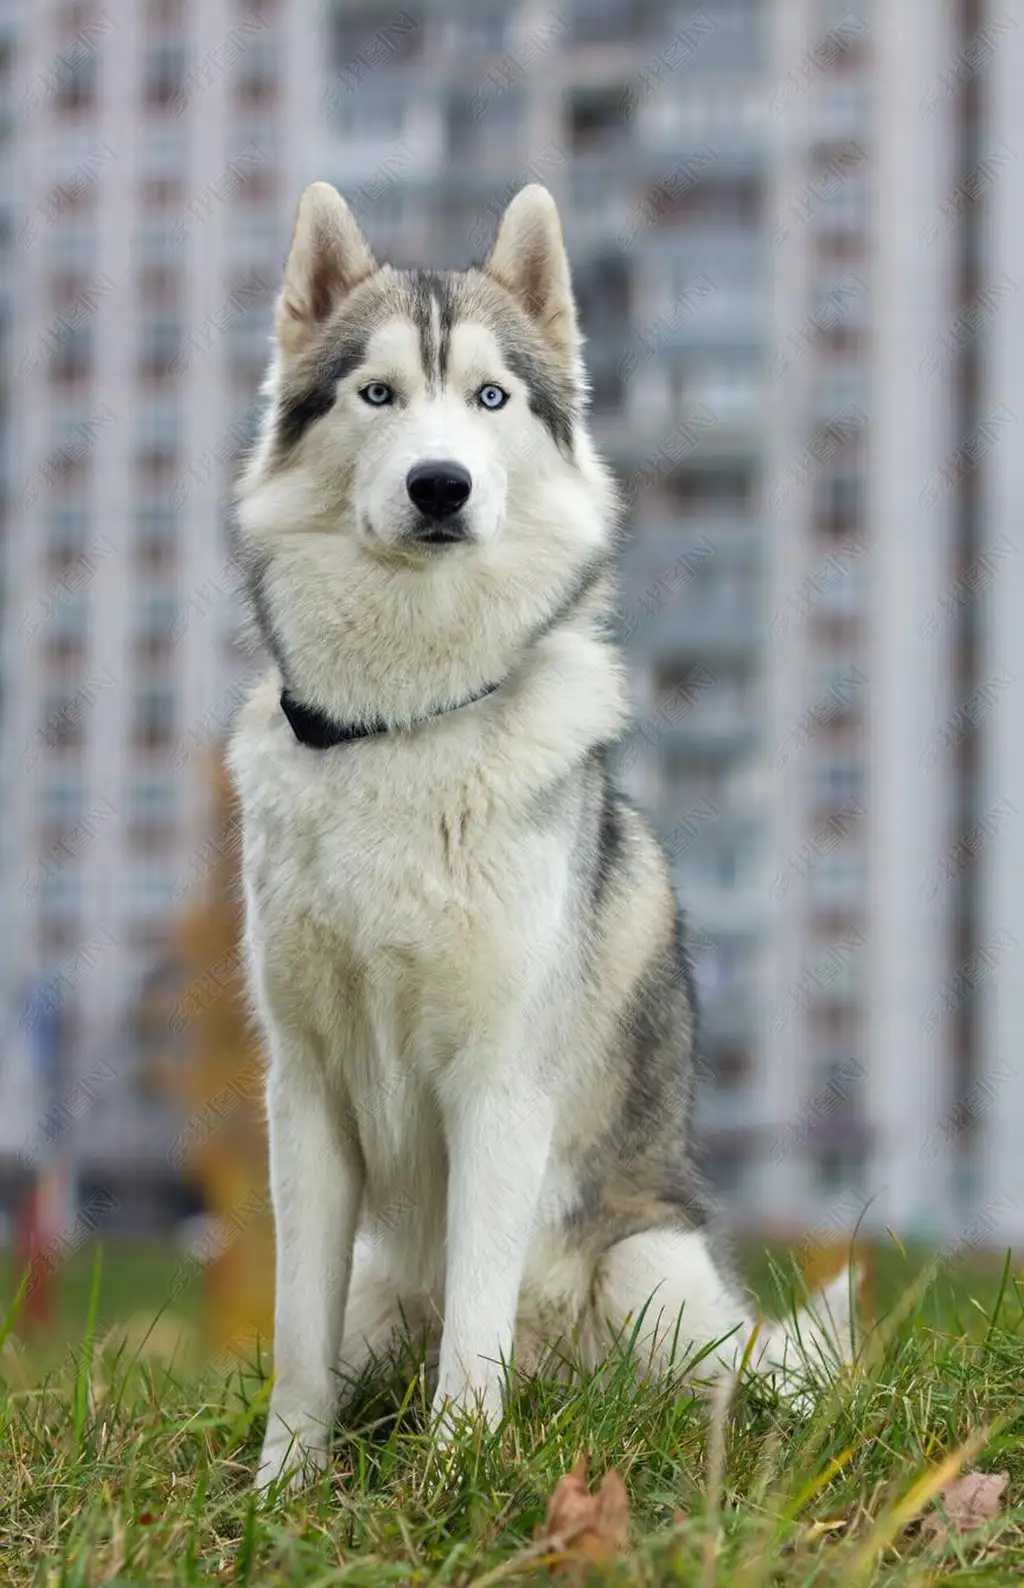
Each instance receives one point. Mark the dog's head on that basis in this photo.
(424, 496)
(416, 407)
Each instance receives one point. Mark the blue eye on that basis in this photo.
(377, 394)
(492, 397)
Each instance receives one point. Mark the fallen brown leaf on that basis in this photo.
(832, 1524)
(971, 1499)
(587, 1528)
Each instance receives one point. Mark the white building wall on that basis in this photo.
(1000, 1088)
(781, 1080)
(910, 568)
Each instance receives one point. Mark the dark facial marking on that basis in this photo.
(448, 317)
(315, 396)
(550, 400)
(427, 289)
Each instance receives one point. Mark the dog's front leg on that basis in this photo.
(316, 1179)
(498, 1137)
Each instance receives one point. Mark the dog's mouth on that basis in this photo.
(439, 536)
(422, 540)
(440, 532)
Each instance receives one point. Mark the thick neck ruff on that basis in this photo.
(318, 731)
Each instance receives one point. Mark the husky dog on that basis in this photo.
(465, 946)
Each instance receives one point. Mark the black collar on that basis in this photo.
(320, 732)
(316, 729)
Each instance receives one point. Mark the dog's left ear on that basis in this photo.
(529, 259)
(328, 257)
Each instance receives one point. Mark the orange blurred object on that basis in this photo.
(215, 1068)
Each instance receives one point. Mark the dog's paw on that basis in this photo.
(462, 1404)
(290, 1460)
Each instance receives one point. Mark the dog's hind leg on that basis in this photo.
(663, 1291)
(383, 1319)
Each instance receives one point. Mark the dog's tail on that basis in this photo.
(811, 1343)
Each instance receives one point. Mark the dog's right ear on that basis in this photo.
(529, 259)
(328, 257)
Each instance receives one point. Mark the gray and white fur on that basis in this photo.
(465, 948)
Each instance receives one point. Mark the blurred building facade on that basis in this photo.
(793, 232)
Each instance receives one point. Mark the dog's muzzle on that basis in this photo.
(439, 490)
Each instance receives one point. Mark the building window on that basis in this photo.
(729, 1169)
(154, 247)
(598, 119)
(838, 1082)
(725, 201)
(152, 808)
(722, 969)
(843, 211)
(67, 528)
(153, 799)
(72, 358)
(838, 780)
(731, 389)
(249, 342)
(843, 592)
(151, 893)
(602, 288)
(841, 301)
(62, 802)
(72, 245)
(158, 433)
(841, 384)
(163, 74)
(66, 631)
(839, 690)
(712, 489)
(156, 537)
(481, 130)
(838, 1168)
(379, 117)
(162, 163)
(606, 387)
(77, 74)
(155, 627)
(256, 81)
(619, 21)
(153, 724)
(256, 244)
(165, 14)
(839, 505)
(838, 878)
(159, 287)
(62, 723)
(733, 1067)
(366, 38)
(60, 895)
(477, 30)
(723, 866)
(160, 337)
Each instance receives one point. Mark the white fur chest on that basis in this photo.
(395, 895)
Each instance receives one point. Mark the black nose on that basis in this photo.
(439, 489)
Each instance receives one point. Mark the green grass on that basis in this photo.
(122, 1469)
(136, 1278)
